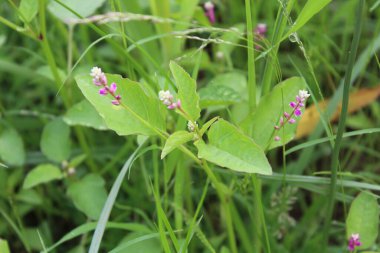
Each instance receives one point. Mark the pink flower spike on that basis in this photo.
(292, 121)
(297, 112)
(292, 104)
(261, 29)
(286, 115)
(354, 242)
(277, 138)
(113, 87)
(210, 13)
(103, 91)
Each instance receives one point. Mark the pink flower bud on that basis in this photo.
(277, 138)
(178, 103)
(103, 91)
(297, 112)
(292, 104)
(286, 115)
(292, 121)
(113, 87)
(276, 127)
(115, 102)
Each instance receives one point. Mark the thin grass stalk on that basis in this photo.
(342, 122)
(251, 58)
(279, 28)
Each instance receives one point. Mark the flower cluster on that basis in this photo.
(296, 111)
(353, 242)
(100, 79)
(260, 33)
(167, 99)
(261, 30)
(210, 12)
(192, 126)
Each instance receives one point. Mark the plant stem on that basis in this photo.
(342, 121)
(251, 58)
(224, 200)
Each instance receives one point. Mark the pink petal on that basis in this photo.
(292, 104)
(113, 87)
(292, 121)
(297, 112)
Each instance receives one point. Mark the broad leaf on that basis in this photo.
(11, 147)
(83, 8)
(145, 113)
(175, 140)
(260, 124)
(84, 114)
(55, 140)
(42, 174)
(363, 219)
(89, 195)
(311, 8)
(230, 148)
(224, 89)
(28, 9)
(187, 91)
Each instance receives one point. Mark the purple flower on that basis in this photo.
(292, 121)
(297, 112)
(287, 115)
(354, 241)
(103, 91)
(210, 12)
(292, 104)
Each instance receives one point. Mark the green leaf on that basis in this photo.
(363, 219)
(84, 114)
(175, 140)
(146, 113)
(88, 227)
(28, 9)
(230, 148)
(29, 196)
(187, 91)
(11, 147)
(224, 89)
(43, 173)
(261, 123)
(311, 8)
(83, 8)
(4, 248)
(206, 125)
(55, 140)
(89, 195)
